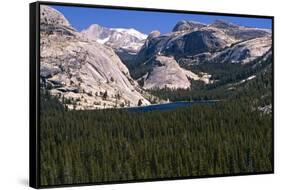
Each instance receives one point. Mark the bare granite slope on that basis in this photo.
(81, 71)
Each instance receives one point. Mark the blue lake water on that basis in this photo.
(169, 106)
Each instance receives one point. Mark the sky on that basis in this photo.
(146, 21)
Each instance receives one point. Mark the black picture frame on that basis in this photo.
(34, 91)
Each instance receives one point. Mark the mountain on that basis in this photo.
(189, 40)
(185, 25)
(239, 32)
(244, 52)
(166, 73)
(193, 43)
(103, 67)
(82, 73)
(117, 38)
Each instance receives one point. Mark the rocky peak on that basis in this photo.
(239, 33)
(117, 38)
(51, 16)
(96, 32)
(222, 24)
(153, 34)
(95, 27)
(185, 25)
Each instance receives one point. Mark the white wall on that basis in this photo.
(14, 93)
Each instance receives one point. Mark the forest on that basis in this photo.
(228, 137)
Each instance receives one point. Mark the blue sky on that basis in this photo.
(145, 21)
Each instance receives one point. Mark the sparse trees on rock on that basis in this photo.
(139, 102)
(104, 96)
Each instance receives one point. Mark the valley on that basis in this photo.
(118, 104)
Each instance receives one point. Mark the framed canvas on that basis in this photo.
(122, 94)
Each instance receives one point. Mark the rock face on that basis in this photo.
(196, 39)
(50, 16)
(185, 43)
(167, 73)
(81, 72)
(245, 51)
(224, 25)
(239, 32)
(192, 43)
(117, 38)
(185, 25)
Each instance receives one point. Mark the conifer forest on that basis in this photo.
(228, 137)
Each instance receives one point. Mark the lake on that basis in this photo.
(169, 106)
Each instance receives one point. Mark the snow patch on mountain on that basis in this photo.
(125, 38)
